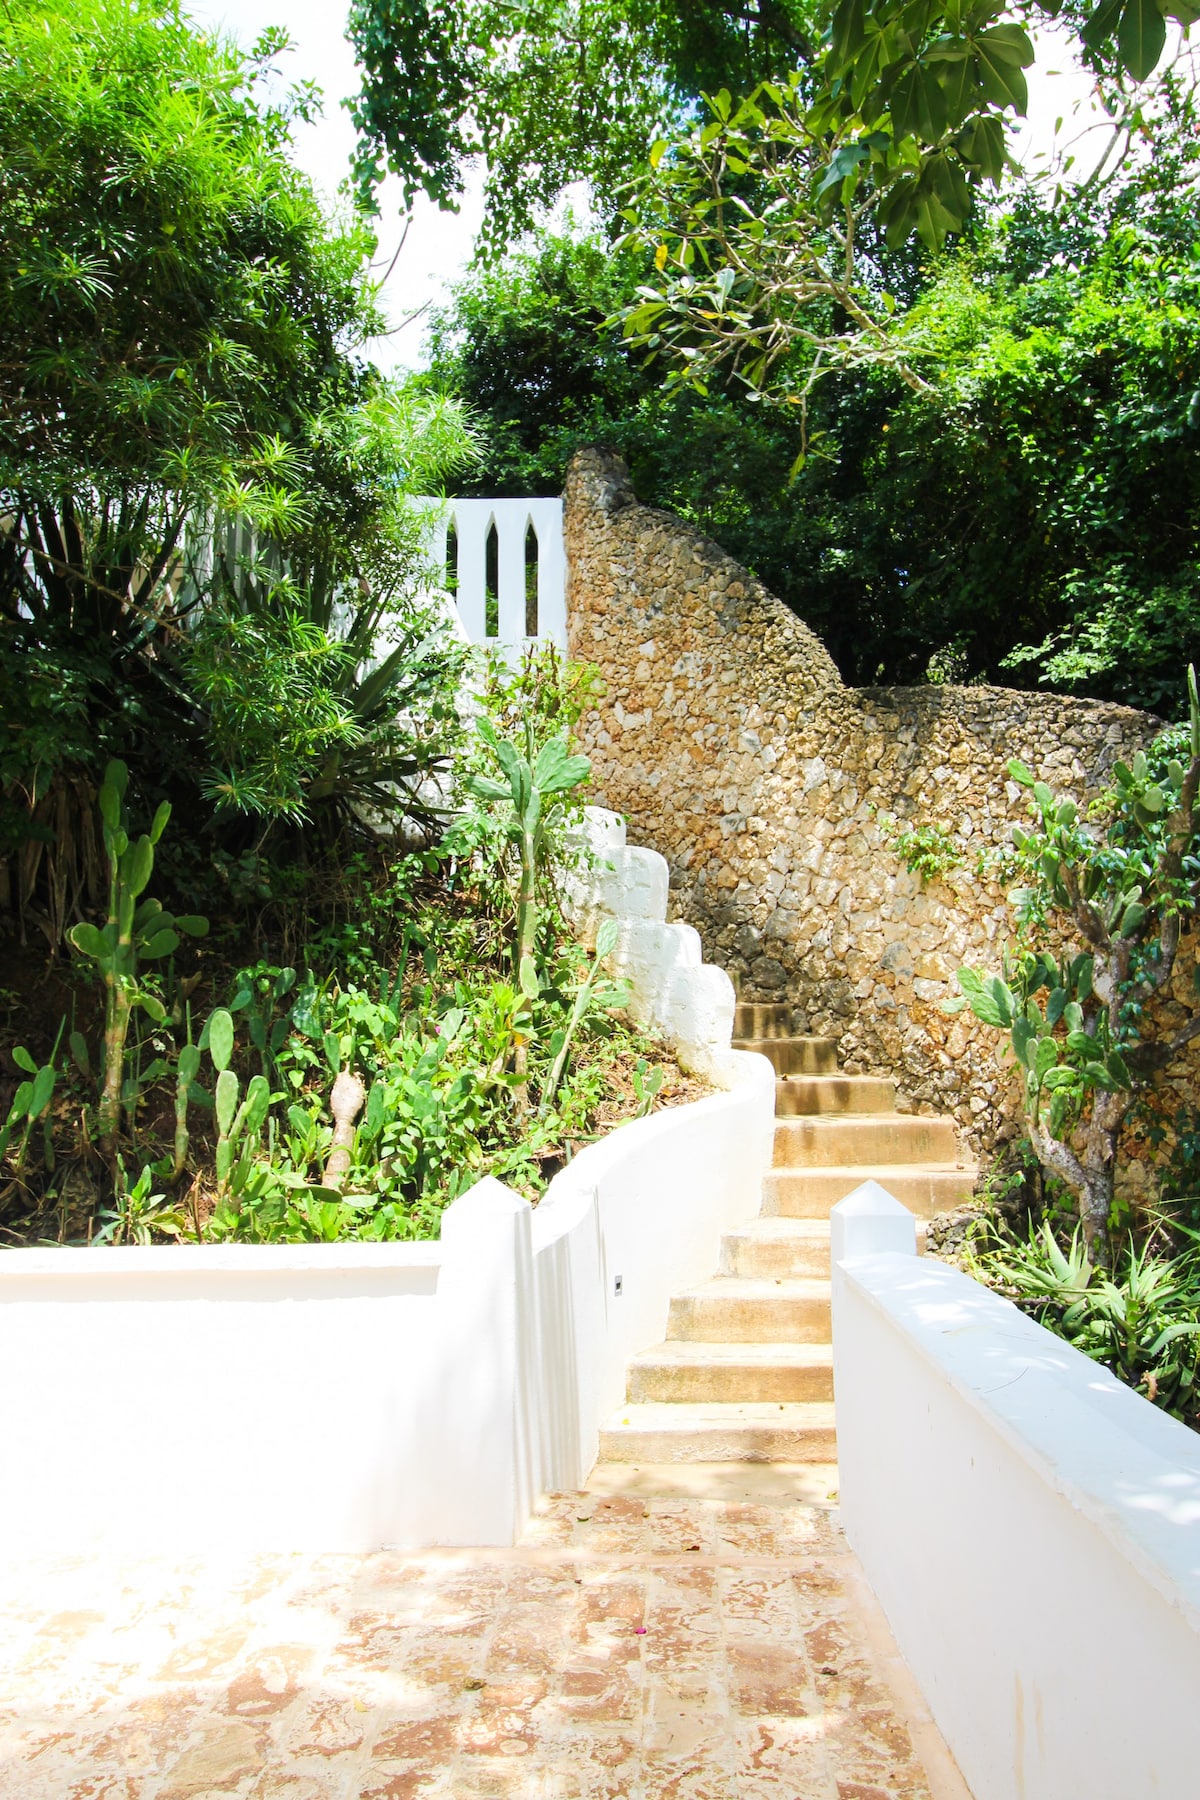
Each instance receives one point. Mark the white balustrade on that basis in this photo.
(472, 522)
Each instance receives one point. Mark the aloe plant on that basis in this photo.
(132, 935)
(532, 789)
(606, 943)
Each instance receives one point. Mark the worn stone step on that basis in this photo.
(762, 1019)
(758, 1433)
(833, 1094)
(794, 1055)
(817, 1143)
(925, 1189)
(776, 1249)
(729, 1310)
(691, 1373)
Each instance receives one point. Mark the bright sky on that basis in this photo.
(439, 244)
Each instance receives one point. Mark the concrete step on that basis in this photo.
(797, 1095)
(732, 1373)
(757, 1433)
(794, 1055)
(925, 1189)
(762, 1019)
(776, 1249)
(732, 1311)
(819, 1143)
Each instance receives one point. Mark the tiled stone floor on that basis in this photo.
(634, 1647)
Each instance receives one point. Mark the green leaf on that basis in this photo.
(80, 1054)
(1134, 915)
(138, 868)
(226, 1099)
(484, 788)
(163, 943)
(991, 1002)
(160, 821)
(256, 1103)
(607, 937)
(1021, 773)
(1141, 35)
(188, 1065)
(1024, 1037)
(192, 925)
(1046, 1057)
(43, 1091)
(1102, 24)
(23, 1060)
(527, 977)
(1000, 67)
(89, 942)
(220, 1038)
(152, 1006)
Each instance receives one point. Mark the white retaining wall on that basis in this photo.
(674, 991)
(1030, 1525)
(343, 1397)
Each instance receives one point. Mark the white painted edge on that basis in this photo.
(1085, 1434)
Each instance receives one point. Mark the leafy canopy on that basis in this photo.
(550, 92)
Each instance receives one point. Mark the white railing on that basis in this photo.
(1029, 1525)
(506, 568)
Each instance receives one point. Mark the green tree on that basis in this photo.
(182, 325)
(1101, 921)
(1042, 495)
(550, 93)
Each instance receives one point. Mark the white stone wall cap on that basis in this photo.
(868, 1221)
(119, 1261)
(1126, 1465)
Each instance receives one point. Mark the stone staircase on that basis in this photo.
(746, 1373)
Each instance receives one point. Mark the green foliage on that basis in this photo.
(1041, 496)
(137, 1213)
(137, 931)
(532, 792)
(32, 1101)
(1142, 1320)
(925, 850)
(193, 411)
(1097, 1040)
(550, 93)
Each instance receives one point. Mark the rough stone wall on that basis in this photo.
(728, 740)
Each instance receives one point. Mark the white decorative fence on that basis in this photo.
(1030, 1526)
(506, 568)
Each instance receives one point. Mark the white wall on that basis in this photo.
(342, 1397)
(646, 1209)
(1030, 1526)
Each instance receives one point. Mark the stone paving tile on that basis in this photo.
(633, 1648)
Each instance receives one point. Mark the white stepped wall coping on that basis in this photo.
(1030, 1525)
(674, 990)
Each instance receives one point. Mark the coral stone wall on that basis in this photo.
(730, 743)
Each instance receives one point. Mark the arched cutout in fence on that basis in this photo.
(505, 568)
(491, 579)
(531, 581)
